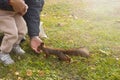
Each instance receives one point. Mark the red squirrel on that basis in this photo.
(50, 51)
(63, 54)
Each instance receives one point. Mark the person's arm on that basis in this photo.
(32, 18)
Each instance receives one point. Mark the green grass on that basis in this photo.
(66, 28)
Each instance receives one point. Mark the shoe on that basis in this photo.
(18, 50)
(6, 59)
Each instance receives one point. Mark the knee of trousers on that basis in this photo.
(13, 37)
(23, 32)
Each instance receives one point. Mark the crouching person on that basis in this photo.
(14, 28)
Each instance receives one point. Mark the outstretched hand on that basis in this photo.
(35, 43)
(19, 6)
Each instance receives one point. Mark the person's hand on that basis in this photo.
(19, 6)
(35, 43)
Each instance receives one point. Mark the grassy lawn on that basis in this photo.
(69, 26)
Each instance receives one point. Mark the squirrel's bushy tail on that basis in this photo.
(83, 52)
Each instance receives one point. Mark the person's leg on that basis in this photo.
(22, 30)
(8, 27)
(21, 26)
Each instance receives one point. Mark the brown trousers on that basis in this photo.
(14, 28)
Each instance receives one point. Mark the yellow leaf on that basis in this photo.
(19, 78)
(17, 73)
(29, 73)
(41, 73)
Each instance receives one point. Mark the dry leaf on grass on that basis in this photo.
(41, 73)
(17, 73)
(29, 73)
(19, 78)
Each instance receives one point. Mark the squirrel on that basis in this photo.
(63, 54)
(50, 51)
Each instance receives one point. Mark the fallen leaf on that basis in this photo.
(29, 73)
(41, 73)
(17, 73)
(60, 24)
(19, 78)
(117, 59)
